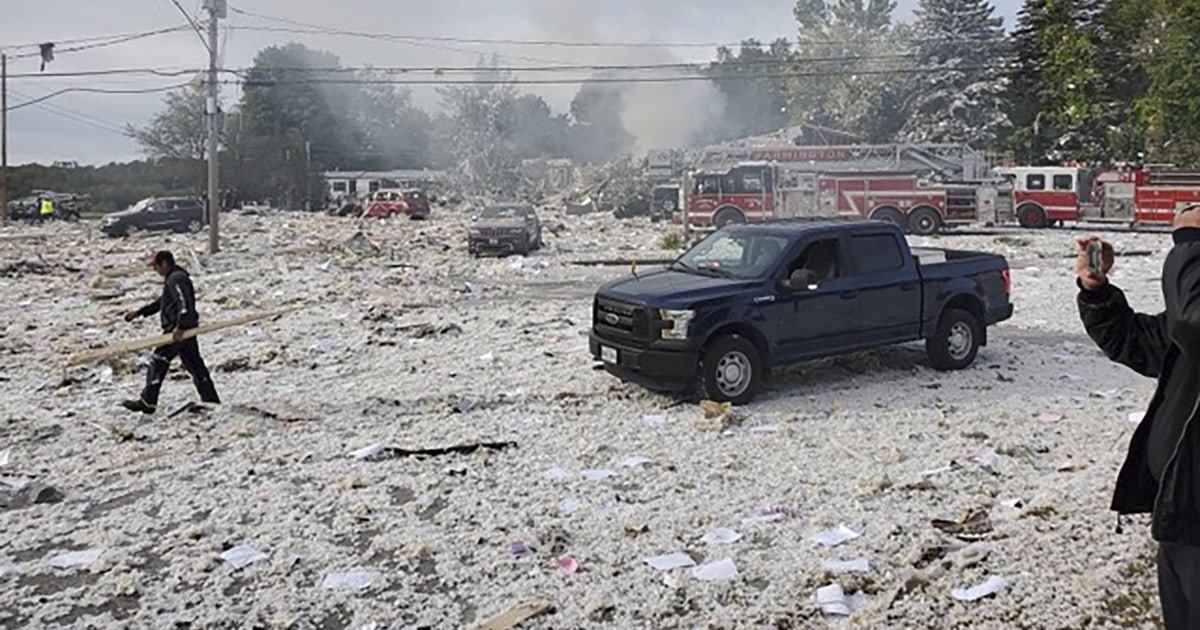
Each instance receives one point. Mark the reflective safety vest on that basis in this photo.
(47, 207)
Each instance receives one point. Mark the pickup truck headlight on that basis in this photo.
(679, 321)
(475, 232)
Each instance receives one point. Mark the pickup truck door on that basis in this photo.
(889, 287)
(811, 322)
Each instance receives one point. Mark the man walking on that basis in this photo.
(177, 312)
(1161, 474)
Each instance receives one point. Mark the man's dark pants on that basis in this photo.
(1179, 585)
(188, 352)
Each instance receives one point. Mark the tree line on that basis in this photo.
(1074, 80)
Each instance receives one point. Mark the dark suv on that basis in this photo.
(505, 229)
(169, 214)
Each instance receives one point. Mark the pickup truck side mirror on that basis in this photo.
(801, 280)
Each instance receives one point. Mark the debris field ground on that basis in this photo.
(297, 503)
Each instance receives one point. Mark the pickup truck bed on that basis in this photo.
(720, 319)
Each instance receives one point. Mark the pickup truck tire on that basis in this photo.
(731, 370)
(924, 221)
(956, 342)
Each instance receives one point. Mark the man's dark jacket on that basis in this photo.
(177, 306)
(1155, 346)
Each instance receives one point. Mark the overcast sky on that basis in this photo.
(86, 127)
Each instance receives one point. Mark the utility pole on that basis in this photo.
(3, 139)
(216, 11)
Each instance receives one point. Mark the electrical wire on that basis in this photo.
(98, 42)
(79, 117)
(195, 26)
(159, 72)
(87, 90)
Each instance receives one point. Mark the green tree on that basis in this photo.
(755, 93)
(597, 133)
(1170, 108)
(958, 96)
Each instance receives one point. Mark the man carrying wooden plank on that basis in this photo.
(177, 312)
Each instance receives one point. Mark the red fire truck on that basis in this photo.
(1045, 196)
(755, 192)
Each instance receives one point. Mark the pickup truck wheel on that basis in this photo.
(730, 370)
(924, 221)
(956, 342)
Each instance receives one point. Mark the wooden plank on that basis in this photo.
(514, 616)
(116, 350)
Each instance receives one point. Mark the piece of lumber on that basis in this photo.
(127, 347)
(514, 616)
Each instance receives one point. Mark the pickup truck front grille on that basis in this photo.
(499, 232)
(622, 319)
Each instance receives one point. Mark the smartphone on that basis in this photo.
(1095, 251)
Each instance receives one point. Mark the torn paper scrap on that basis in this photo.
(718, 571)
(990, 586)
(669, 561)
(349, 580)
(721, 536)
(986, 457)
(82, 558)
(937, 471)
(4, 457)
(367, 452)
(1049, 416)
(834, 601)
(656, 420)
(558, 473)
(765, 429)
(834, 536)
(633, 461)
(243, 556)
(597, 474)
(857, 565)
(1137, 417)
(567, 507)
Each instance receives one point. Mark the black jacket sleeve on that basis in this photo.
(151, 308)
(1136, 340)
(1181, 289)
(183, 298)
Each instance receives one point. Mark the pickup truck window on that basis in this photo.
(876, 253)
(741, 256)
(820, 257)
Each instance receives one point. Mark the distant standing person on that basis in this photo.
(1160, 472)
(45, 209)
(177, 313)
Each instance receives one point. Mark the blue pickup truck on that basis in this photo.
(751, 298)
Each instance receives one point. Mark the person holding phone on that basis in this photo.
(1161, 473)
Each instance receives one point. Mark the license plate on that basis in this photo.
(491, 241)
(608, 355)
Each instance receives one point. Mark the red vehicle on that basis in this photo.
(756, 192)
(390, 202)
(1046, 195)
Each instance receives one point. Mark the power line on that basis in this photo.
(79, 117)
(69, 90)
(192, 21)
(100, 42)
(160, 72)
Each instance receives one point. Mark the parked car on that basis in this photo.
(752, 298)
(390, 202)
(174, 214)
(505, 229)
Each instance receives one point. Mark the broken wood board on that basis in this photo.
(514, 616)
(127, 347)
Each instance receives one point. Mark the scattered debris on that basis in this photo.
(718, 571)
(834, 601)
(26, 494)
(72, 559)
(656, 420)
(720, 536)
(975, 525)
(835, 536)
(567, 507)
(243, 556)
(568, 565)
(376, 452)
(857, 565)
(633, 461)
(367, 452)
(349, 580)
(992, 585)
(518, 549)
(597, 474)
(5, 457)
(1050, 417)
(514, 616)
(1136, 417)
(676, 560)
(987, 457)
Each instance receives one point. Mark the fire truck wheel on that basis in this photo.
(1031, 216)
(891, 215)
(727, 216)
(924, 221)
